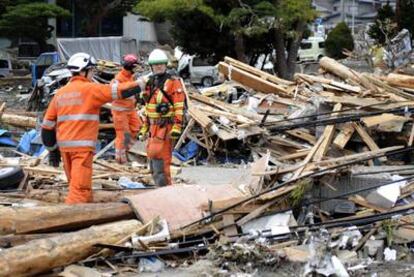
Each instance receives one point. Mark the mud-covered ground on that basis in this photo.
(15, 93)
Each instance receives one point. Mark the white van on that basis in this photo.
(198, 70)
(311, 49)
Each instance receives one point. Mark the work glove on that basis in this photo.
(175, 132)
(143, 132)
(54, 158)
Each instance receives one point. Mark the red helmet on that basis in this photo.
(129, 61)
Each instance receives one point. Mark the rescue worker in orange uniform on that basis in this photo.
(164, 106)
(126, 120)
(71, 123)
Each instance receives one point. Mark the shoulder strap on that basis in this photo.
(160, 86)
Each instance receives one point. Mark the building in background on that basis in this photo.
(147, 34)
(356, 13)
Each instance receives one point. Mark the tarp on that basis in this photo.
(105, 48)
(31, 144)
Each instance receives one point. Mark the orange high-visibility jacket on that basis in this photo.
(74, 112)
(126, 104)
(173, 88)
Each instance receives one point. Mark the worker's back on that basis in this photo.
(77, 106)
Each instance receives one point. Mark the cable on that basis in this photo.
(327, 113)
(335, 119)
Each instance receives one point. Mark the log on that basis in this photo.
(99, 196)
(31, 122)
(14, 240)
(345, 72)
(60, 218)
(400, 80)
(45, 254)
(19, 120)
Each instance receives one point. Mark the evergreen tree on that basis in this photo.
(338, 39)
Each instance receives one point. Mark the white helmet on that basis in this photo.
(80, 61)
(157, 56)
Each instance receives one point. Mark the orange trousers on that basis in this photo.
(127, 125)
(78, 169)
(159, 151)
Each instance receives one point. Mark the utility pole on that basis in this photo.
(353, 17)
(343, 10)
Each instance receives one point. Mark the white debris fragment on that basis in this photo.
(390, 254)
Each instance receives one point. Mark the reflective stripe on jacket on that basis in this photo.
(74, 112)
(174, 90)
(127, 104)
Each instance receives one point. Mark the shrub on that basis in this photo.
(338, 39)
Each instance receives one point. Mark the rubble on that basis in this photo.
(324, 181)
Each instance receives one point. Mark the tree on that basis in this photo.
(244, 29)
(95, 11)
(30, 20)
(405, 16)
(338, 39)
(382, 27)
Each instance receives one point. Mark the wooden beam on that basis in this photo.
(260, 73)
(327, 135)
(345, 134)
(367, 139)
(250, 80)
(308, 158)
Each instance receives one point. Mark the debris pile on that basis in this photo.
(329, 184)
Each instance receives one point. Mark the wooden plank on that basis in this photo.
(411, 138)
(183, 136)
(339, 85)
(260, 73)
(367, 139)
(357, 199)
(344, 135)
(358, 156)
(226, 107)
(327, 135)
(302, 134)
(231, 230)
(382, 118)
(201, 117)
(308, 158)
(354, 101)
(103, 150)
(250, 80)
(297, 155)
(255, 213)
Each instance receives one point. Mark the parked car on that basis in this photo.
(198, 70)
(311, 49)
(5, 67)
